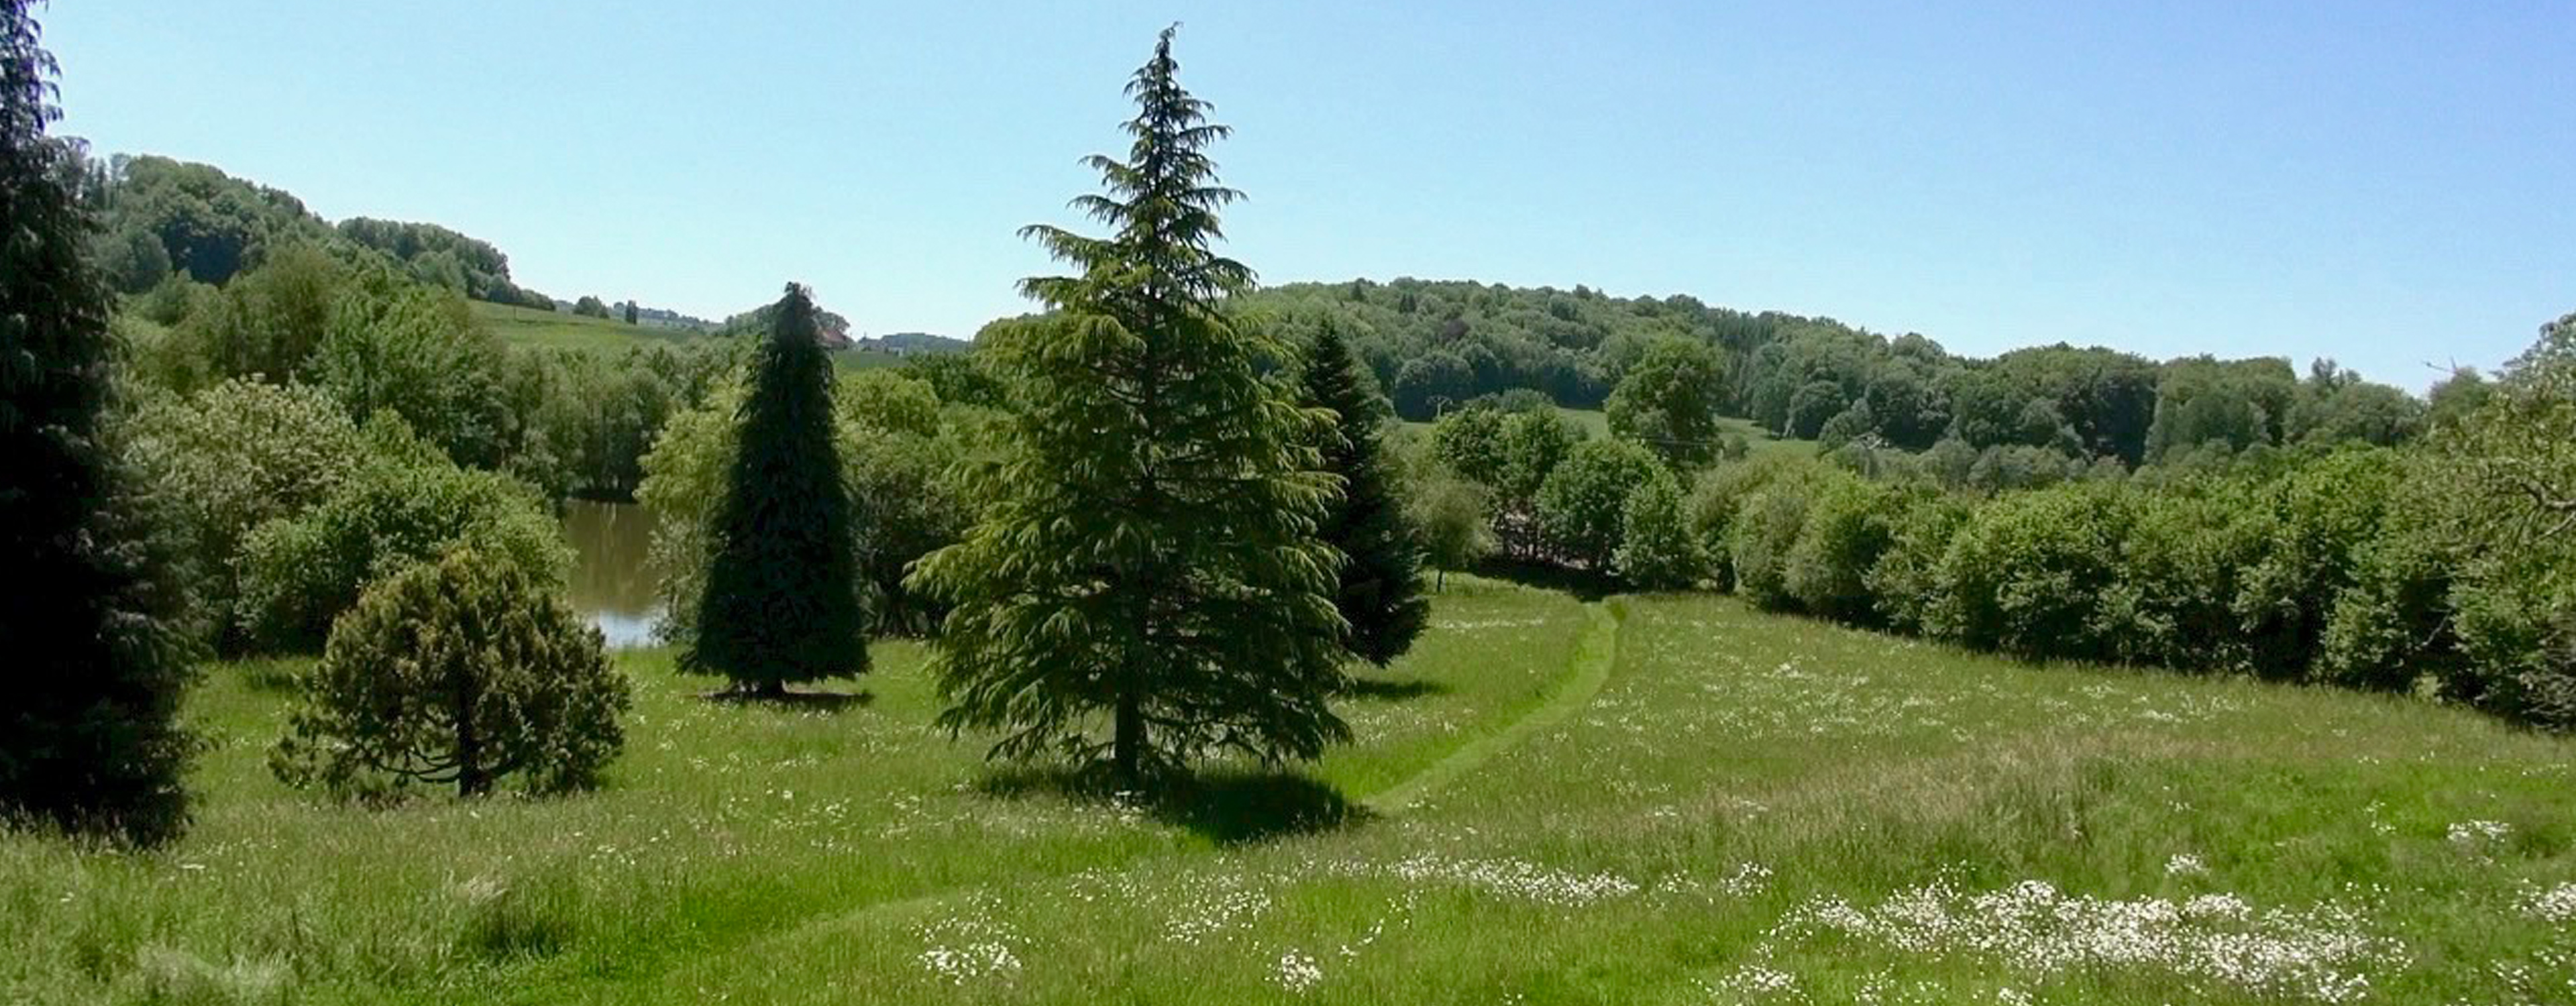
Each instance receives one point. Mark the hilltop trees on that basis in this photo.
(96, 659)
(1148, 550)
(1380, 591)
(781, 600)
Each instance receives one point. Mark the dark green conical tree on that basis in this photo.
(1380, 592)
(782, 597)
(90, 647)
(1149, 553)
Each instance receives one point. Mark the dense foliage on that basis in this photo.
(1147, 553)
(781, 601)
(404, 505)
(463, 670)
(89, 607)
(1380, 592)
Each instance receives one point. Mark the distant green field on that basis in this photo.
(1664, 800)
(1597, 423)
(527, 326)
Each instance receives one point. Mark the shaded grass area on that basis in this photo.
(1740, 808)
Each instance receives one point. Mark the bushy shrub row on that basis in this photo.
(2347, 568)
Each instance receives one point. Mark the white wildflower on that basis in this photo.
(1298, 972)
(2557, 904)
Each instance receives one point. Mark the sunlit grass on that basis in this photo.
(529, 327)
(1749, 809)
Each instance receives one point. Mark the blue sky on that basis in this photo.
(2392, 185)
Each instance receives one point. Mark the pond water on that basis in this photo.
(612, 579)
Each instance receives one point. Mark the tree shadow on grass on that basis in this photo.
(1380, 690)
(826, 702)
(1226, 806)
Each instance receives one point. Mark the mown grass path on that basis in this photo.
(1595, 656)
(1593, 660)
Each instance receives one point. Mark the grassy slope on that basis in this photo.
(1597, 423)
(1682, 835)
(524, 326)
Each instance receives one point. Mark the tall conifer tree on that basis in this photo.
(781, 603)
(1380, 589)
(1149, 553)
(95, 660)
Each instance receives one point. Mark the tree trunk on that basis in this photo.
(1127, 748)
(771, 689)
(471, 779)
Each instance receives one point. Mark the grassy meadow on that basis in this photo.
(1639, 800)
(1596, 424)
(527, 326)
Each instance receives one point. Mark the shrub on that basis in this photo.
(299, 573)
(236, 456)
(2393, 624)
(1845, 531)
(1656, 550)
(2176, 577)
(1584, 500)
(1903, 582)
(2026, 574)
(1720, 493)
(462, 670)
(2518, 633)
(1760, 537)
(2315, 521)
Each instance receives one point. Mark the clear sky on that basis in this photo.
(2389, 184)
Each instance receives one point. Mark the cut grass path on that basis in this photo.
(1593, 659)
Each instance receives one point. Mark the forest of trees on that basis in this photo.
(1434, 346)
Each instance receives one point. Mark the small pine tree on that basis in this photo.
(1148, 547)
(1381, 578)
(96, 657)
(782, 598)
(1656, 549)
(462, 669)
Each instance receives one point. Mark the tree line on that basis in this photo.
(1436, 346)
(2445, 565)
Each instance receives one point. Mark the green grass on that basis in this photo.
(1597, 424)
(1651, 800)
(527, 326)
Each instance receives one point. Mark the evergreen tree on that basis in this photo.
(782, 597)
(1381, 585)
(94, 653)
(1149, 546)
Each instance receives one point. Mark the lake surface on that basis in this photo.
(612, 579)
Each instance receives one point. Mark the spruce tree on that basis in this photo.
(89, 636)
(781, 602)
(1149, 548)
(1380, 590)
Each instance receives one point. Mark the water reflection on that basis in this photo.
(612, 582)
